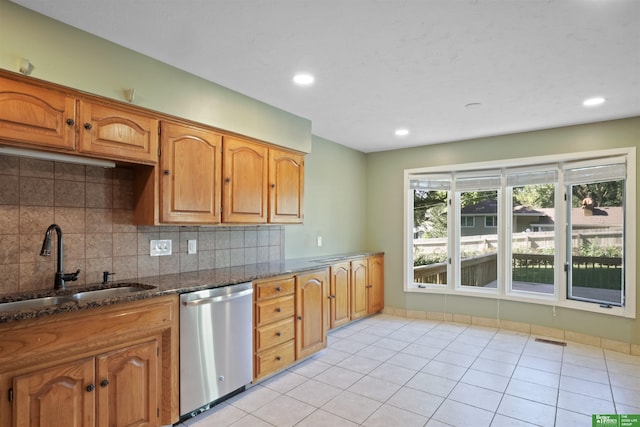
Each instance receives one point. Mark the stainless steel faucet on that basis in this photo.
(61, 277)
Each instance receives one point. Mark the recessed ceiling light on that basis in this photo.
(402, 132)
(592, 102)
(303, 79)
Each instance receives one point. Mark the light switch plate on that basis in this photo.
(160, 247)
(192, 246)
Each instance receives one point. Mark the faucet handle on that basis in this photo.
(71, 277)
(105, 277)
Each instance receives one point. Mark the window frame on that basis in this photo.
(559, 298)
(466, 218)
(494, 221)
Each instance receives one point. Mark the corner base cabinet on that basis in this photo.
(110, 366)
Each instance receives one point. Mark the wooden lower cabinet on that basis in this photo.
(375, 286)
(109, 366)
(274, 325)
(359, 283)
(312, 292)
(292, 314)
(127, 385)
(57, 396)
(116, 389)
(340, 295)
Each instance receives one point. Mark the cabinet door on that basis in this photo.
(118, 134)
(59, 396)
(127, 383)
(312, 290)
(245, 176)
(359, 283)
(286, 186)
(33, 115)
(340, 312)
(375, 287)
(190, 161)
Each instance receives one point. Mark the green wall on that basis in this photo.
(65, 55)
(334, 203)
(384, 218)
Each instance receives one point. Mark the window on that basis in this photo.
(467, 221)
(532, 230)
(595, 214)
(551, 230)
(430, 218)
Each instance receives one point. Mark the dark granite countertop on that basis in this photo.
(168, 285)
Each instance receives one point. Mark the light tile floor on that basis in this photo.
(392, 371)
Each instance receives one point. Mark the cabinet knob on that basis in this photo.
(273, 186)
(90, 387)
(278, 310)
(88, 126)
(278, 358)
(104, 383)
(227, 180)
(167, 172)
(278, 334)
(299, 317)
(71, 122)
(278, 289)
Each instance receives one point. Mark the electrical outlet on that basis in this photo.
(160, 247)
(192, 247)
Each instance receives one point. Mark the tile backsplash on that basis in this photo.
(94, 208)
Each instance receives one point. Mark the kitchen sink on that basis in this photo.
(108, 293)
(36, 303)
(44, 302)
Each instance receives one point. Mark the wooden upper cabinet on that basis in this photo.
(59, 396)
(34, 115)
(115, 133)
(286, 186)
(190, 168)
(244, 187)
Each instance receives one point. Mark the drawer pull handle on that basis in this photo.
(278, 334)
(278, 289)
(278, 310)
(278, 358)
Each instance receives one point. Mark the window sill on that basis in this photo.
(525, 297)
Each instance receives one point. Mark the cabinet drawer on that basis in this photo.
(274, 289)
(274, 334)
(274, 360)
(274, 309)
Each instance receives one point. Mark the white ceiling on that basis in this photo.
(380, 65)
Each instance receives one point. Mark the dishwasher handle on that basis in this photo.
(210, 300)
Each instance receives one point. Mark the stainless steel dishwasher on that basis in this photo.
(216, 351)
